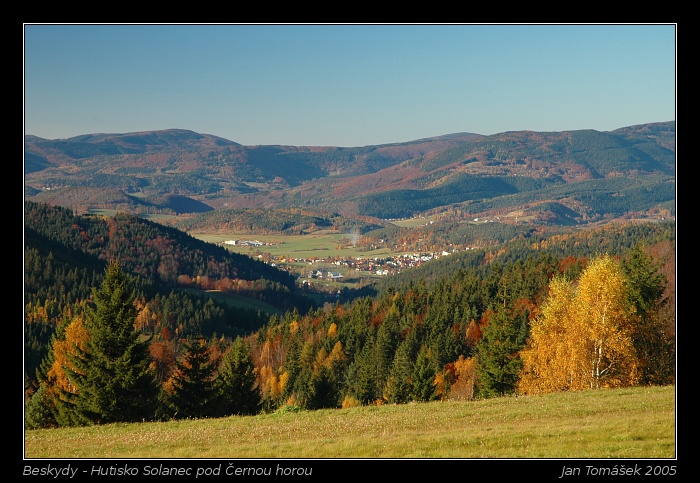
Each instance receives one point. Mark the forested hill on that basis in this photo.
(615, 239)
(594, 175)
(65, 256)
(146, 248)
(161, 259)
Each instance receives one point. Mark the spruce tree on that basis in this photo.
(239, 393)
(499, 364)
(654, 334)
(384, 348)
(112, 375)
(38, 412)
(322, 391)
(423, 377)
(646, 283)
(361, 377)
(194, 390)
(398, 385)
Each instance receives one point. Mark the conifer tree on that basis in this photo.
(423, 377)
(47, 406)
(387, 340)
(38, 410)
(654, 334)
(397, 389)
(322, 391)
(646, 283)
(239, 393)
(361, 377)
(112, 374)
(323, 379)
(193, 388)
(499, 363)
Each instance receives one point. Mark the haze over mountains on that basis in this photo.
(568, 177)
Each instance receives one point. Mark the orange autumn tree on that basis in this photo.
(49, 406)
(465, 377)
(76, 337)
(583, 337)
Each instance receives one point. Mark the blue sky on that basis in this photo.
(345, 85)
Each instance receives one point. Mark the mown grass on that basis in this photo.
(620, 423)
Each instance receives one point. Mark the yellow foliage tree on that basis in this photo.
(76, 337)
(463, 387)
(337, 354)
(602, 300)
(582, 338)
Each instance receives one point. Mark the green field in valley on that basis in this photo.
(322, 244)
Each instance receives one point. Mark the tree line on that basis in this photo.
(537, 324)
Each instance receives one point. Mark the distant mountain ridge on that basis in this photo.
(181, 171)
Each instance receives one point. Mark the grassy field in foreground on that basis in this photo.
(620, 423)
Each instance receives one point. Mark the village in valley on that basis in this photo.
(336, 268)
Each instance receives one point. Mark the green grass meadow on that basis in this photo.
(634, 423)
(322, 244)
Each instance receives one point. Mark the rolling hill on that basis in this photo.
(570, 177)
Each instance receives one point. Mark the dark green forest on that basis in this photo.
(615, 196)
(111, 297)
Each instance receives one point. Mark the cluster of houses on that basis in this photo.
(245, 243)
(382, 266)
(325, 274)
(379, 266)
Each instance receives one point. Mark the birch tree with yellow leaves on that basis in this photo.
(583, 336)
